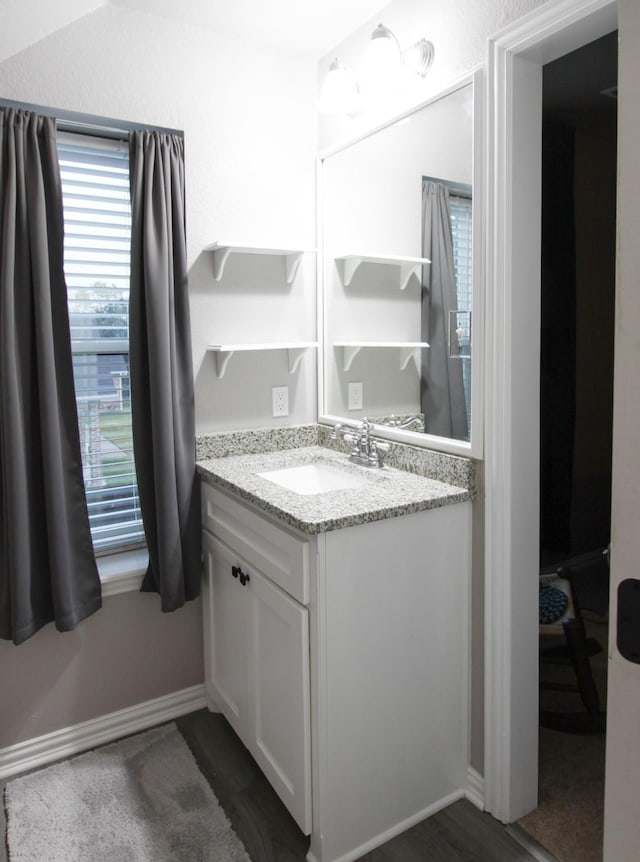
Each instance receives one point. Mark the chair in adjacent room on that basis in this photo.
(564, 641)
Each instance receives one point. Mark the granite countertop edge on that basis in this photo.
(389, 492)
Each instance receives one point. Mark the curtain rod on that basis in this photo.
(461, 189)
(89, 124)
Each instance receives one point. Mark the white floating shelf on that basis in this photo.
(407, 349)
(222, 250)
(407, 266)
(295, 349)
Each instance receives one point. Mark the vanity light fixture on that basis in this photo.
(379, 72)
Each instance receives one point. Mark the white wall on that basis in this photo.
(250, 134)
(126, 653)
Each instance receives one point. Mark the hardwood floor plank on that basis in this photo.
(257, 815)
(481, 835)
(460, 833)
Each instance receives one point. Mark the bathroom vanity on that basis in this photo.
(336, 637)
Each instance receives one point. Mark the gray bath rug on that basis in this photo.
(142, 799)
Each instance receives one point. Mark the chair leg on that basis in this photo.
(579, 652)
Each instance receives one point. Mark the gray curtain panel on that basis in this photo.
(47, 566)
(441, 381)
(161, 367)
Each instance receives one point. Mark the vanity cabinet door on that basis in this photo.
(225, 626)
(257, 670)
(279, 694)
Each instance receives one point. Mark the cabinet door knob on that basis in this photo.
(244, 577)
(235, 571)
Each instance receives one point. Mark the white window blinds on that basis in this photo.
(460, 209)
(97, 226)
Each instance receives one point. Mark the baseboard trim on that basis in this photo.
(475, 788)
(88, 734)
(393, 831)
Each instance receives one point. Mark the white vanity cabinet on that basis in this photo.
(384, 696)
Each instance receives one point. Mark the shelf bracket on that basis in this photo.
(407, 354)
(292, 262)
(350, 353)
(406, 271)
(220, 256)
(222, 360)
(350, 265)
(295, 358)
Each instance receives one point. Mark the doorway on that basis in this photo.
(516, 58)
(579, 173)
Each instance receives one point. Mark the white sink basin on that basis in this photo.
(316, 478)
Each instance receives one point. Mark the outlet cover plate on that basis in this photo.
(354, 396)
(280, 400)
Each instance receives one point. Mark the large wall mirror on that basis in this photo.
(401, 276)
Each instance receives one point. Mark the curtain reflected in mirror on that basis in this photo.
(445, 370)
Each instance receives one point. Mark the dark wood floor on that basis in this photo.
(460, 833)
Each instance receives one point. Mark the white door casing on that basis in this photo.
(516, 57)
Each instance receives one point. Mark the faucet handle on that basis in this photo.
(378, 450)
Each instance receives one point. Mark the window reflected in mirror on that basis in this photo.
(445, 372)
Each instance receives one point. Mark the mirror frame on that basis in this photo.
(474, 447)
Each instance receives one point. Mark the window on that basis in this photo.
(97, 227)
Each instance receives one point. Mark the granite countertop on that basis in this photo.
(388, 492)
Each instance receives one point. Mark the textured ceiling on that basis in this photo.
(311, 27)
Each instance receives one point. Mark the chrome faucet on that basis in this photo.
(410, 423)
(365, 449)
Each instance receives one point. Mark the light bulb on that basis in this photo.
(381, 65)
(339, 93)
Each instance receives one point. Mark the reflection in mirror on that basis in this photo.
(397, 275)
(445, 373)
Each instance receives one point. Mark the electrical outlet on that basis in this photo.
(354, 398)
(280, 400)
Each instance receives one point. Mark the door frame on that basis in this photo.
(514, 130)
